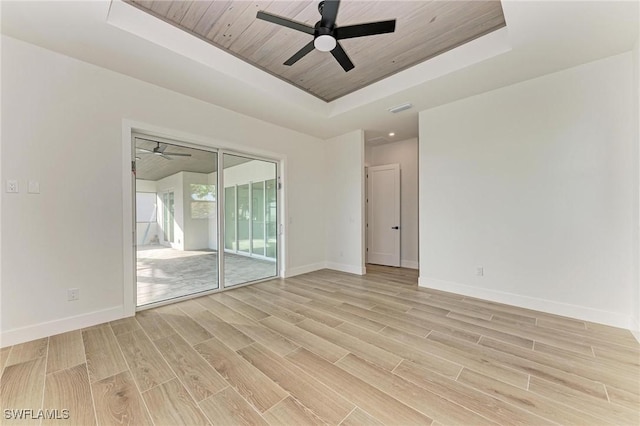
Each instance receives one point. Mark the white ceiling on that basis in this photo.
(541, 37)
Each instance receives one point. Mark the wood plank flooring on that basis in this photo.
(330, 348)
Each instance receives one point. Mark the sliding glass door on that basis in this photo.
(177, 239)
(188, 241)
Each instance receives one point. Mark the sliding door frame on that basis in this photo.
(129, 131)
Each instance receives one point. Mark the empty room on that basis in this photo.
(291, 212)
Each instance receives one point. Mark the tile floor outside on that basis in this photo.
(166, 273)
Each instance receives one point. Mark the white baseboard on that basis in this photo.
(635, 328)
(550, 306)
(299, 270)
(411, 264)
(51, 328)
(351, 269)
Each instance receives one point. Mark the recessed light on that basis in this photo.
(392, 134)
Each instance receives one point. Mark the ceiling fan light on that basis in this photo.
(325, 43)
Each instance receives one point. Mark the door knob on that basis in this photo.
(395, 227)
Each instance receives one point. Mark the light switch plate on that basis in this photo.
(34, 187)
(12, 186)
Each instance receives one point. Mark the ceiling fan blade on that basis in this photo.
(165, 157)
(342, 58)
(300, 54)
(329, 12)
(177, 154)
(285, 22)
(144, 151)
(361, 30)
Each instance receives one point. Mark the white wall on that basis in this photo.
(143, 185)
(196, 231)
(175, 184)
(252, 171)
(344, 200)
(148, 229)
(404, 153)
(189, 233)
(534, 183)
(62, 124)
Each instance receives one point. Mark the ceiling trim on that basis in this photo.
(473, 52)
(135, 21)
(138, 22)
(574, 33)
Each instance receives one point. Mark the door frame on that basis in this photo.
(129, 129)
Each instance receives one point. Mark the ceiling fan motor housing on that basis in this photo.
(320, 30)
(326, 34)
(323, 38)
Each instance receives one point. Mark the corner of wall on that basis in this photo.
(345, 197)
(292, 272)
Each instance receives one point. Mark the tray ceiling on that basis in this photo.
(424, 29)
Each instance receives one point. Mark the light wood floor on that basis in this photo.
(331, 348)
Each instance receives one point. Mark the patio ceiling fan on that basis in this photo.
(159, 151)
(326, 34)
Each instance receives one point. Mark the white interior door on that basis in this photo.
(383, 211)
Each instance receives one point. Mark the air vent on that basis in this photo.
(397, 109)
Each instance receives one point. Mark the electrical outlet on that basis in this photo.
(73, 294)
(480, 271)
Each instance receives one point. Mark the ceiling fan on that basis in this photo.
(326, 34)
(159, 151)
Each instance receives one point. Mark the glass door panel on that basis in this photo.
(177, 249)
(250, 253)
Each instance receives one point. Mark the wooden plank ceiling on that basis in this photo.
(424, 29)
(155, 167)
